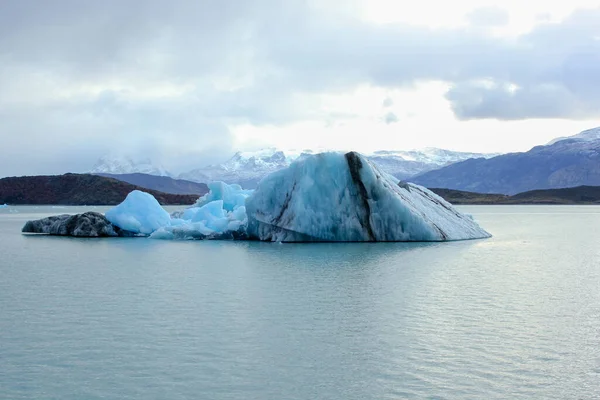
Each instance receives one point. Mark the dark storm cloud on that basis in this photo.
(79, 78)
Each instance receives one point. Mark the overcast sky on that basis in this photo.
(189, 82)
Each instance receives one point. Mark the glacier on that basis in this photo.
(324, 197)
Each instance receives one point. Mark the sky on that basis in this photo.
(189, 82)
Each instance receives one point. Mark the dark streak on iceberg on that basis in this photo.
(286, 203)
(355, 165)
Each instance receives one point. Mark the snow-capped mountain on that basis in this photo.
(405, 164)
(586, 136)
(247, 168)
(564, 162)
(114, 164)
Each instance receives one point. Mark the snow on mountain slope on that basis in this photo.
(588, 135)
(245, 168)
(114, 164)
(248, 168)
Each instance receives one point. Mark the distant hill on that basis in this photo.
(462, 197)
(77, 189)
(163, 184)
(574, 195)
(565, 163)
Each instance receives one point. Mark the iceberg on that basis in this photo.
(346, 198)
(232, 196)
(331, 197)
(139, 213)
(3, 205)
(219, 214)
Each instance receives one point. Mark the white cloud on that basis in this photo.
(190, 81)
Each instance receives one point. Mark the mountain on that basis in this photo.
(588, 135)
(163, 184)
(77, 189)
(573, 195)
(567, 162)
(404, 164)
(244, 168)
(113, 164)
(458, 197)
(247, 168)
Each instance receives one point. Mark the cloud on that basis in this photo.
(503, 101)
(391, 118)
(172, 78)
(488, 17)
(387, 102)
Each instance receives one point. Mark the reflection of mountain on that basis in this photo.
(566, 162)
(247, 168)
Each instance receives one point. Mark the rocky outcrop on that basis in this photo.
(89, 224)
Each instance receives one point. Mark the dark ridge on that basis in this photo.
(355, 165)
(77, 189)
(163, 184)
(573, 195)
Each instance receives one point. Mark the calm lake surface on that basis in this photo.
(513, 317)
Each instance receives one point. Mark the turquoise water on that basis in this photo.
(515, 316)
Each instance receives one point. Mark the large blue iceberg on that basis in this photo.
(325, 197)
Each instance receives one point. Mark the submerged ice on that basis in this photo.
(325, 197)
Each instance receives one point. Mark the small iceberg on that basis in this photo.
(331, 197)
(220, 214)
(140, 212)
